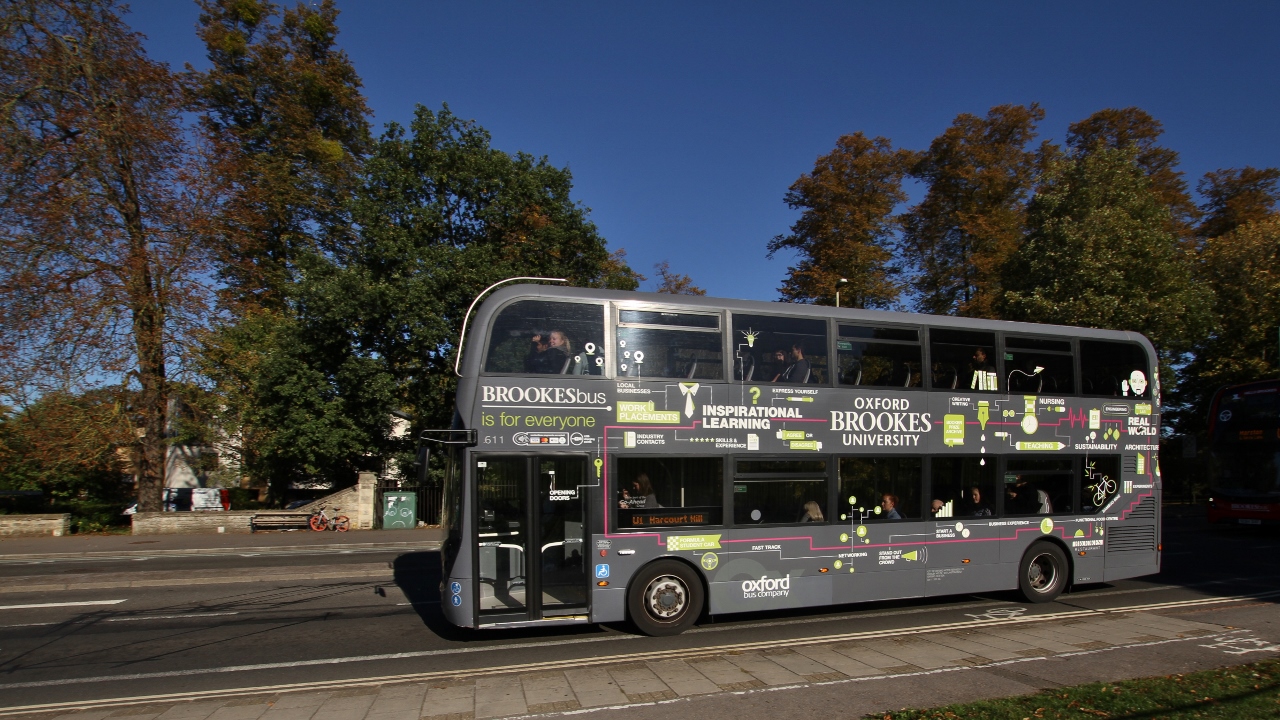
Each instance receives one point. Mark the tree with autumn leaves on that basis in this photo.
(1101, 232)
(254, 264)
(104, 198)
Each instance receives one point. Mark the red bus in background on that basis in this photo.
(1244, 454)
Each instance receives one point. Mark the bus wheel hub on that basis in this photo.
(666, 597)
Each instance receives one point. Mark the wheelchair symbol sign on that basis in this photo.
(602, 572)
(456, 587)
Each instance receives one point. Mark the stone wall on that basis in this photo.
(192, 523)
(356, 502)
(35, 525)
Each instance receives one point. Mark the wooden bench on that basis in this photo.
(282, 519)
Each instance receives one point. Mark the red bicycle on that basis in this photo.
(338, 523)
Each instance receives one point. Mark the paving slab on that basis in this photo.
(449, 701)
(868, 656)
(395, 702)
(498, 696)
(347, 705)
(189, 711)
(972, 648)
(919, 652)
(299, 700)
(639, 683)
(85, 715)
(547, 692)
(682, 678)
(594, 687)
(725, 674)
(802, 665)
(837, 661)
(1028, 635)
(764, 669)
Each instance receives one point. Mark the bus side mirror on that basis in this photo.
(424, 459)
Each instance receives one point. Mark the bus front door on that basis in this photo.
(531, 534)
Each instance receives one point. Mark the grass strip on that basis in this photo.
(1241, 691)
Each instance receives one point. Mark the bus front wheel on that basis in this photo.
(1042, 574)
(665, 598)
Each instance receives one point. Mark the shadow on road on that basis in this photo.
(417, 574)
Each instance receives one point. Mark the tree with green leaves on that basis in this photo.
(847, 225)
(979, 173)
(282, 105)
(1134, 128)
(441, 215)
(1100, 254)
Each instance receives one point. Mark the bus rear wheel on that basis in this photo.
(1042, 574)
(665, 598)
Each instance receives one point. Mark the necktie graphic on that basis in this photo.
(688, 390)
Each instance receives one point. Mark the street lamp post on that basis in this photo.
(839, 284)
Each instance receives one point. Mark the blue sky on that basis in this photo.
(684, 123)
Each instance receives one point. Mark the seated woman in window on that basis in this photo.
(889, 503)
(812, 512)
(639, 495)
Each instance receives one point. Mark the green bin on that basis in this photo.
(399, 510)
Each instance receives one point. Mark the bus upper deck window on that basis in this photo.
(1038, 365)
(547, 338)
(1114, 369)
(663, 344)
(880, 357)
(964, 360)
(772, 349)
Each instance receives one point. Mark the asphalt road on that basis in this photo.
(85, 644)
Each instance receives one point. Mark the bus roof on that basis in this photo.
(500, 297)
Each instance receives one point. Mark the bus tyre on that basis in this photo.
(1042, 574)
(665, 598)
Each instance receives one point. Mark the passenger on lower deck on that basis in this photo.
(889, 503)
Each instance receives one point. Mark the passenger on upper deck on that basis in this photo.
(983, 371)
(549, 355)
(800, 368)
(779, 363)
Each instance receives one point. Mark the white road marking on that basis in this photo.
(123, 619)
(170, 617)
(63, 604)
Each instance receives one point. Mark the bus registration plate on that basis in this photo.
(1250, 521)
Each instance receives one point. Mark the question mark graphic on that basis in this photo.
(755, 395)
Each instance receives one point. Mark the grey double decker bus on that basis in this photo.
(652, 458)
